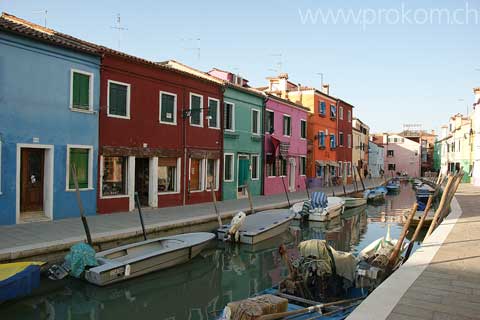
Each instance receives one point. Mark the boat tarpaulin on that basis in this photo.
(81, 255)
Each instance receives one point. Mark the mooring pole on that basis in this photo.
(306, 188)
(137, 201)
(250, 199)
(214, 199)
(80, 205)
(286, 193)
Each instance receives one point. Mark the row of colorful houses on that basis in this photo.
(163, 130)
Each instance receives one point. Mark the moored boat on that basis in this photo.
(352, 202)
(18, 279)
(133, 260)
(322, 211)
(257, 227)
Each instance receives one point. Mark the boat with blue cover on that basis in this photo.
(319, 207)
(18, 279)
(393, 186)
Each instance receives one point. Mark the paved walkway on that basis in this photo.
(442, 279)
(40, 238)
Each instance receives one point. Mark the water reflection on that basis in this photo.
(222, 274)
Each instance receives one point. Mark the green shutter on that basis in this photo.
(118, 99)
(81, 91)
(168, 108)
(195, 106)
(212, 112)
(79, 158)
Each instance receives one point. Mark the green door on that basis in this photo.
(243, 165)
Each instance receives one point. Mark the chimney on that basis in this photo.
(476, 91)
(283, 84)
(326, 89)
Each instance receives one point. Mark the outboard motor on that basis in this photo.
(235, 225)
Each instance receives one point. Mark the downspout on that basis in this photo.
(184, 121)
(264, 156)
(222, 142)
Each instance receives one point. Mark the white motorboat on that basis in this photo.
(351, 202)
(334, 208)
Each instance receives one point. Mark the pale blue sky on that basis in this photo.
(393, 73)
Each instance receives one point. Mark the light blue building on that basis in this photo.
(49, 102)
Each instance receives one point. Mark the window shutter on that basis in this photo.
(118, 99)
(79, 158)
(168, 102)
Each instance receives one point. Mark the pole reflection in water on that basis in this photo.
(223, 273)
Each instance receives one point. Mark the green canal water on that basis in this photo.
(223, 273)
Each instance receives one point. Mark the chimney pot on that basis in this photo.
(326, 89)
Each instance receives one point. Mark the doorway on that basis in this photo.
(291, 175)
(242, 176)
(142, 180)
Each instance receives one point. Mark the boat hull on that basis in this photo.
(112, 271)
(332, 212)
(354, 202)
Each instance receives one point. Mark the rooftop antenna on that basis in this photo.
(462, 100)
(196, 48)
(279, 62)
(118, 26)
(45, 13)
(321, 79)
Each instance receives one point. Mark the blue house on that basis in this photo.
(49, 103)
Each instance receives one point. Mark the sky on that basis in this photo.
(410, 62)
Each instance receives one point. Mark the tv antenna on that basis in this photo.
(194, 48)
(118, 26)
(279, 63)
(45, 14)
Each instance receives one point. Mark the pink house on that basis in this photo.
(285, 146)
(401, 155)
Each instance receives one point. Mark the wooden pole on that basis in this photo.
(355, 184)
(458, 180)
(80, 205)
(306, 188)
(333, 187)
(398, 246)
(441, 205)
(286, 193)
(360, 176)
(139, 207)
(250, 200)
(214, 199)
(344, 190)
(419, 227)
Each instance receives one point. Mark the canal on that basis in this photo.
(224, 273)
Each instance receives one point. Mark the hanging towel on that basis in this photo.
(319, 200)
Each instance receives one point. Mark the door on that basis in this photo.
(243, 171)
(291, 175)
(141, 179)
(31, 180)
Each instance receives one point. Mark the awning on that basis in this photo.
(284, 147)
(320, 163)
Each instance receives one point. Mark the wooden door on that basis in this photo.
(141, 179)
(32, 179)
(195, 174)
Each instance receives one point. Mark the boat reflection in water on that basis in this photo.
(198, 290)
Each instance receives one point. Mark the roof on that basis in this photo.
(290, 103)
(13, 24)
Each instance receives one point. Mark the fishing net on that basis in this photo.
(250, 309)
(81, 255)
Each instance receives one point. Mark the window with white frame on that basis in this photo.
(340, 139)
(81, 90)
(303, 166)
(349, 140)
(271, 166)
(168, 108)
(213, 113)
(196, 174)
(229, 115)
(333, 111)
(114, 176)
(196, 110)
(340, 168)
(340, 113)
(80, 157)
(282, 167)
(303, 129)
(228, 167)
(287, 125)
(212, 173)
(255, 167)
(118, 99)
(349, 169)
(255, 121)
(269, 121)
(168, 175)
(349, 116)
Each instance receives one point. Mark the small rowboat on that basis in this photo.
(333, 209)
(133, 260)
(351, 202)
(18, 279)
(418, 215)
(260, 226)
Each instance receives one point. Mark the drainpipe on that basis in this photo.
(184, 120)
(264, 156)
(222, 141)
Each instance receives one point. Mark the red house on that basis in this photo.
(155, 136)
(345, 139)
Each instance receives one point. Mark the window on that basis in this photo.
(168, 175)
(81, 90)
(81, 158)
(228, 167)
(114, 178)
(283, 167)
(349, 168)
(255, 121)
(340, 168)
(340, 139)
(118, 99)
(391, 167)
(340, 113)
(390, 153)
(322, 108)
(168, 108)
(196, 174)
(333, 111)
(271, 166)
(303, 166)
(349, 140)
(213, 113)
(287, 128)
(255, 167)
(270, 121)
(229, 120)
(303, 129)
(321, 139)
(196, 111)
(333, 143)
(349, 116)
(212, 174)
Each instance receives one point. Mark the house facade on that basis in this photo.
(376, 160)
(361, 134)
(48, 85)
(345, 140)
(285, 146)
(401, 155)
(476, 138)
(427, 143)
(160, 135)
(243, 137)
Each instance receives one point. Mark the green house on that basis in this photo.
(243, 137)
